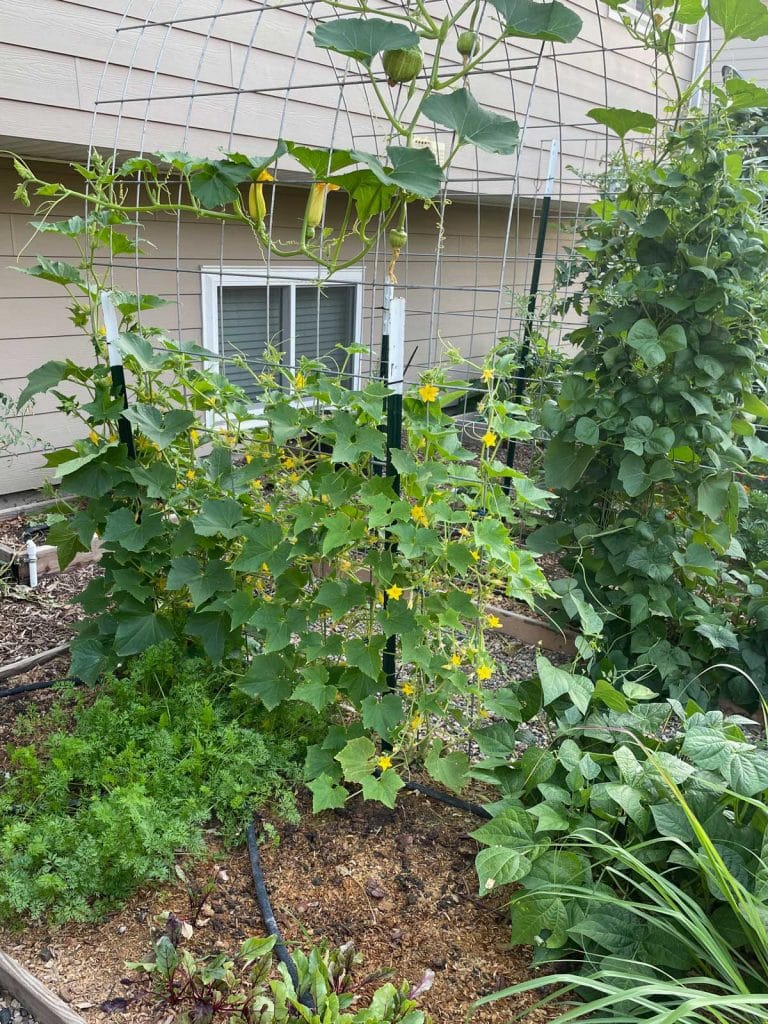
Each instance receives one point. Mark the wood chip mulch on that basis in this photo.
(401, 885)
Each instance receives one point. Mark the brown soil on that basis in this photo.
(400, 885)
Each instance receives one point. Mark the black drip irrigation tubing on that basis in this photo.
(42, 685)
(268, 915)
(446, 798)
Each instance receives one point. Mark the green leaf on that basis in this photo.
(557, 868)
(712, 496)
(537, 915)
(755, 406)
(202, 581)
(122, 531)
(643, 337)
(53, 270)
(610, 696)
(461, 112)
(162, 429)
(622, 121)
(500, 865)
(586, 431)
(322, 162)
(139, 348)
(552, 22)
(382, 714)
(630, 801)
(135, 633)
(43, 379)
(510, 827)
(384, 788)
(365, 655)
(451, 770)
(720, 636)
(743, 94)
(748, 770)
(212, 629)
(363, 38)
(633, 476)
(654, 225)
(327, 795)
(670, 820)
(215, 182)
(740, 19)
(67, 542)
(357, 759)
(565, 463)
(414, 171)
(218, 517)
(556, 682)
(268, 680)
(314, 688)
(673, 339)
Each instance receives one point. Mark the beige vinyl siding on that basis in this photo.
(749, 58)
(54, 52)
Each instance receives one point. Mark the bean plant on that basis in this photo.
(654, 433)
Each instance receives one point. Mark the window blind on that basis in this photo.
(246, 323)
(324, 320)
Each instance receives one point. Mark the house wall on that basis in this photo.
(465, 297)
(82, 71)
(749, 58)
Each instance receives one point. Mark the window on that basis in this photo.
(244, 311)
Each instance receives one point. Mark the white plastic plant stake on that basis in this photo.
(32, 562)
(396, 345)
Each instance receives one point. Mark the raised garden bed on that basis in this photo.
(13, 551)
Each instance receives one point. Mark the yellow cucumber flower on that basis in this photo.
(489, 439)
(257, 204)
(394, 593)
(428, 393)
(384, 762)
(316, 201)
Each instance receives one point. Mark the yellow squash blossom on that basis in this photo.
(489, 439)
(428, 393)
(316, 202)
(418, 515)
(394, 592)
(257, 205)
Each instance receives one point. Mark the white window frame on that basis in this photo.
(642, 19)
(216, 277)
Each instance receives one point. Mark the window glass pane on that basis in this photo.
(324, 320)
(247, 323)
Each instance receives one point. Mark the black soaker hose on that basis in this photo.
(446, 798)
(44, 684)
(262, 898)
